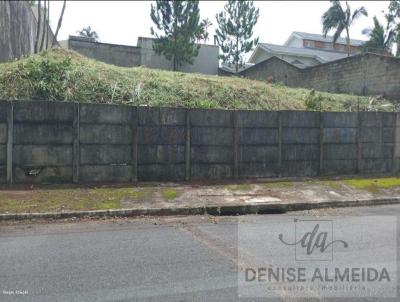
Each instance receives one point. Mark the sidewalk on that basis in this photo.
(268, 196)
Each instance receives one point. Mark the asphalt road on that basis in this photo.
(166, 259)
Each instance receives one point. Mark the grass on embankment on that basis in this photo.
(65, 75)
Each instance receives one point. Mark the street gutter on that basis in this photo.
(214, 210)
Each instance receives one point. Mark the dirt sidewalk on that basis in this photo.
(147, 196)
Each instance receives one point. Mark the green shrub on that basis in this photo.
(48, 78)
(313, 101)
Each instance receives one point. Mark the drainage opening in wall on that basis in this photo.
(33, 171)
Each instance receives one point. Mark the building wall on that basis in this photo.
(367, 74)
(306, 43)
(206, 62)
(120, 55)
(59, 142)
(274, 68)
(295, 42)
(128, 56)
(328, 46)
(363, 74)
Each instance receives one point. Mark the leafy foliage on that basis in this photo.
(88, 33)
(340, 19)
(180, 23)
(380, 38)
(313, 101)
(235, 31)
(205, 24)
(46, 79)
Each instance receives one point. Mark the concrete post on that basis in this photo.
(235, 145)
(396, 143)
(280, 143)
(321, 143)
(359, 145)
(187, 146)
(75, 146)
(10, 137)
(381, 135)
(134, 124)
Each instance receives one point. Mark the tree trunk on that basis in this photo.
(59, 24)
(398, 45)
(237, 55)
(48, 27)
(43, 27)
(348, 41)
(39, 22)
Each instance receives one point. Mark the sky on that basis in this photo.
(122, 22)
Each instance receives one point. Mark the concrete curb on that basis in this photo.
(215, 210)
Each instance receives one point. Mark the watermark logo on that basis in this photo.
(314, 240)
(327, 257)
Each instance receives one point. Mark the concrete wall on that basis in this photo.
(127, 56)
(206, 62)
(367, 74)
(279, 70)
(4, 109)
(120, 55)
(161, 144)
(364, 74)
(56, 142)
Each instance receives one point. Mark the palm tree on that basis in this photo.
(337, 18)
(88, 32)
(205, 24)
(379, 37)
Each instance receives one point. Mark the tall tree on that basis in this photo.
(88, 33)
(380, 38)
(179, 24)
(235, 30)
(59, 24)
(340, 19)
